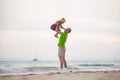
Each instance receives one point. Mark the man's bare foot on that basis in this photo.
(56, 36)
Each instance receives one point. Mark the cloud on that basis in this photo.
(90, 37)
(25, 25)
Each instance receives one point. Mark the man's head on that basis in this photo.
(68, 30)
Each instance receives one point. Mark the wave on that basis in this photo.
(9, 70)
(96, 65)
(41, 68)
(26, 69)
(46, 66)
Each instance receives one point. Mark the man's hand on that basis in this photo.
(59, 32)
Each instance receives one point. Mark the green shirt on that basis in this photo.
(62, 40)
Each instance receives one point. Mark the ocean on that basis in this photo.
(24, 67)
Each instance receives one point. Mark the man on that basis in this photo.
(62, 48)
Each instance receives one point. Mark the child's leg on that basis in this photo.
(57, 29)
(56, 35)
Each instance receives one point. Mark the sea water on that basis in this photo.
(16, 67)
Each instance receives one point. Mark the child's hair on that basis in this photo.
(62, 20)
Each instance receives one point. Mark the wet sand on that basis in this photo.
(81, 75)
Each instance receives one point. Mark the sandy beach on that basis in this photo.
(85, 75)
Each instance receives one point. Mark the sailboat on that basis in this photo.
(35, 59)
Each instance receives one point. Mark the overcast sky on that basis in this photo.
(25, 28)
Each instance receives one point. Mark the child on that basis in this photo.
(56, 26)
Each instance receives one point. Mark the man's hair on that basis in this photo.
(69, 30)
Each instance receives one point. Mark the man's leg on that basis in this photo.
(61, 54)
(64, 62)
(61, 62)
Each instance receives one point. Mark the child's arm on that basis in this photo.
(62, 27)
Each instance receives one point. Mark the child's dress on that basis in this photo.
(53, 27)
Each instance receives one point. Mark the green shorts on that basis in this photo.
(61, 51)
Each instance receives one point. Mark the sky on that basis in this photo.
(25, 29)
